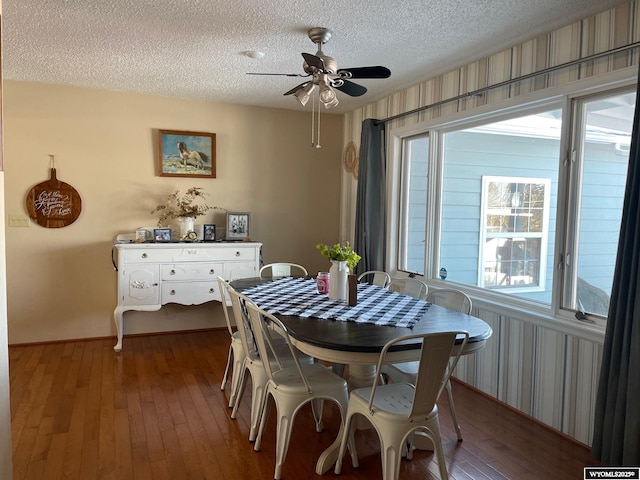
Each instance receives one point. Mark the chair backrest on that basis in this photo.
(375, 277)
(259, 319)
(439, 355)
(242, 322)
(451, 298)
(413, 287)
(283, 269)
(222, 284)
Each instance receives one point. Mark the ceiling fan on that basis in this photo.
(325, 74)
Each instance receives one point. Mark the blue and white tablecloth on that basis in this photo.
(376, 305)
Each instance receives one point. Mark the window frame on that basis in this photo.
(560, 97)
(543, 235)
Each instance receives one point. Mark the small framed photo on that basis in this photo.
(162, 234)
(209, 234)
(186, 154)
(237, 225)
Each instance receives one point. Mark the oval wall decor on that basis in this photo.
(53, 204)
(350, 160)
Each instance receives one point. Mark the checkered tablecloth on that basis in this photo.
(376, 305)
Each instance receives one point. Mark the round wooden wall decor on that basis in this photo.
(54, 204)
(350, 159)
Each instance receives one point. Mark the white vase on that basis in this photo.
(338, 280)
(187, 224)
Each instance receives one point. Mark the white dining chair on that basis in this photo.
(253, 363)
(282, 269)
(292, 387)
(411, 286)
(375, 277)
(399, 410)
(235, 359)
(407, 371)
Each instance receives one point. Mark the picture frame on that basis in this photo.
(161, 235)
(186, 154)
(209, 232)
(237, 225)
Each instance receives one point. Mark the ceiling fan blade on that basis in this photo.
(352, 89)
(295, 89)
(365, 72)
(280, 74)
(313, 61)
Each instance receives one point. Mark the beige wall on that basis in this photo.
(61, 281)
(6, 468)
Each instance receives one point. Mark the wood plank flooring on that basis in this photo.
(156, 411)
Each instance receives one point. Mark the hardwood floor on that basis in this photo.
(156, 411)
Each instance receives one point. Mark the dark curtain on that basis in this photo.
(616, 438)
(370, 205)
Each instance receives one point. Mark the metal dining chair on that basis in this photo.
(283, 269)
(375, 277)
(291, 387)
(411, 286)
(235, 359)
(253, 365)
(399, 410)
(407, 371)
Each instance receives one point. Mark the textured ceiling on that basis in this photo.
(194, 48)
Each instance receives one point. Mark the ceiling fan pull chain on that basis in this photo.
(313, 118)
(318, 144)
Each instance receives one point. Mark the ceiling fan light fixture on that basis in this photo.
(328, 95)
(304, 93)
(332, 103)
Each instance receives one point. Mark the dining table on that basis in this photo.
(334, 332)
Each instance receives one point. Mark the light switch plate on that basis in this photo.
(19, 221)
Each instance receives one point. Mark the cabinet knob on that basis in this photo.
(211, 290)
(172, 292)
(237, 254)
(212, 271)
(172, 272)
(144, 255)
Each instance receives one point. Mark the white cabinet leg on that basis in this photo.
(117, 317)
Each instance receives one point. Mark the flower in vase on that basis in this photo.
(340, 253)
(183, 204)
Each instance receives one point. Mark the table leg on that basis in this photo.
(328, 458)
(422, 442)
(361, 376)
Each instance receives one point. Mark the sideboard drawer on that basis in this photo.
(238, 253)
(191, 271)
(189, 293)
(147, 255)
(192, 253)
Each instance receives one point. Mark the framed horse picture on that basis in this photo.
(186, 154)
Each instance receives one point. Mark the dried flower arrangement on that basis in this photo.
(184, 204)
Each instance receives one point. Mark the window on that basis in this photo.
(480, 164)
(515, 225)
(416, 157)
(600, 157)
(524, 205)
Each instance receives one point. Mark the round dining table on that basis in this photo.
(358, 345)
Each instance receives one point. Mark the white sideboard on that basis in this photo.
(153, 274)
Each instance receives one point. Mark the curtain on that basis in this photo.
(616, 438)
(370, 203)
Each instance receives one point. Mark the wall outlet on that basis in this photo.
(19, 221)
